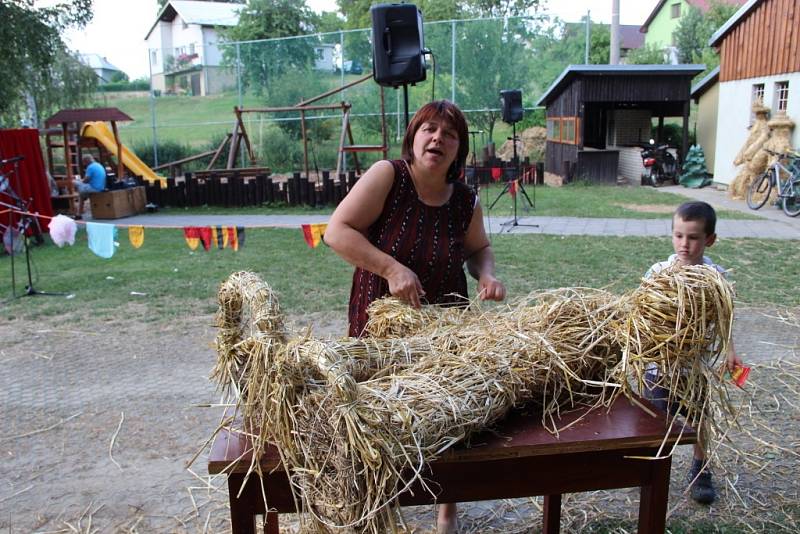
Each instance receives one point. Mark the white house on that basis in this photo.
(759, 60)
(183, 43)
(101, 66)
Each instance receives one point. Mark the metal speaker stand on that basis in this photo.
(519, 188)
(21, 227)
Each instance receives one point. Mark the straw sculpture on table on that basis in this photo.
(357, 420)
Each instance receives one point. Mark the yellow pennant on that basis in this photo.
(313, 233)
(136, 235)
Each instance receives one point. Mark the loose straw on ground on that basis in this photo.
(357, 420)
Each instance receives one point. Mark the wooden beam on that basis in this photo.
(305, 141)
(293, 108)
(219, 151)
(185, 160)
(120, 167)
(305, 103)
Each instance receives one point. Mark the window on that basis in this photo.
(758, 93)
(554, 129)
(563, 130)
(781, 96)
(675, 11)
(153, 57)
(568, 130)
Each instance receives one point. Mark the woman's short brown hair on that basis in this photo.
(449, 112)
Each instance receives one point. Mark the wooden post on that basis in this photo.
(305, 140)
(685, 142)
(383, 127)
(67, 152)
(120, 167)
(234, 143)
(345, 124)
(219, 151)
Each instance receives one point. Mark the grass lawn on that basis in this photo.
(178, 281)
(575, 200)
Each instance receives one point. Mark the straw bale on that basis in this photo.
(357, 420)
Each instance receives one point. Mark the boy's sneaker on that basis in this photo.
(702, 490)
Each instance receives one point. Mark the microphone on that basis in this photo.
(475, 131)
(11, 160)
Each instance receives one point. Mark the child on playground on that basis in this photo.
(693, 230)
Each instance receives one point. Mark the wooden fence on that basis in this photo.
(229, 188)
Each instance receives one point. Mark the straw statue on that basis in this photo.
(759, 134)
(780, 142)
(357, 419)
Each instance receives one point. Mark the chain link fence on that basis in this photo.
(471, 61)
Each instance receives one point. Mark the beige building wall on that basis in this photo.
(707, 108)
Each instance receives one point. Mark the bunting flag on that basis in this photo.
(192, 235)
(102, 238)
(206, 236)
(239, 237)
(221, 236)
(313, 233)
(497, 173)
(136, 236)
(512, 188)
(231, 237)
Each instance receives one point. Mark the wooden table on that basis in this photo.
(522, 459)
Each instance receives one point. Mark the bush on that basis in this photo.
(114, 87)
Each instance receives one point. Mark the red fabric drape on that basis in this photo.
(30, 180)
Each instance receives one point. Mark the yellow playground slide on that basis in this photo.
(98, 130)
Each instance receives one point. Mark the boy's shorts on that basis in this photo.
(659, 395)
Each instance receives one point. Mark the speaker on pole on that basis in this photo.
(511, 100)
(397, 44)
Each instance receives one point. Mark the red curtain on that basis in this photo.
(29, 181)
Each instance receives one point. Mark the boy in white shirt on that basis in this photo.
(693, 229)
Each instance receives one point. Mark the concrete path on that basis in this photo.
(774, 224)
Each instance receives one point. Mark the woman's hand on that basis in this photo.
(404, 284)
(490, 288)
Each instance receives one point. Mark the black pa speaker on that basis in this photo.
(397, 44)
(512, 105)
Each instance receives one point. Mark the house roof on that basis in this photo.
(705, 84)
(702, 5)
(96, 61)
(86, 115)
(630, 37)
(573, 71)
(197, 12)
(733, 22)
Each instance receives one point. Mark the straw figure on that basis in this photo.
(780, 142)
(759, 134)
(357, 420)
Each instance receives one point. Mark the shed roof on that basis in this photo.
(732, 22)
(86, 115)
(96, 61)
(197, 12)
(573, 71)
(705, 84)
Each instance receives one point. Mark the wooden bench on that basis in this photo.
(522, 459)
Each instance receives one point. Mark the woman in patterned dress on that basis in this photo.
(410, 225)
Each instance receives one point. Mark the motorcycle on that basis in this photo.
(659, 164)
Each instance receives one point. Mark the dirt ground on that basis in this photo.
(100, 417)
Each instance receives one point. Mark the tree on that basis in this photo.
(649, 54)
(270, 19)
(34, 59)
(696, 28)
(162, 3)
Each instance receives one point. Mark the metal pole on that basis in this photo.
(152, 108)
(341, 51)
(453, 62)
(588, 36)
(239, 73)
(614, 54)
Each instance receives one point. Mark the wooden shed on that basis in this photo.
(599, 116)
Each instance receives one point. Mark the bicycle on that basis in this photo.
(788, 190)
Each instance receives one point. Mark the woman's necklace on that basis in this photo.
(426, 194)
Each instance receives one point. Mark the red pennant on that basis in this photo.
(513, 188)
(206, 236)
(497, 173)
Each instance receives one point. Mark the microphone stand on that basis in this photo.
(518, 187)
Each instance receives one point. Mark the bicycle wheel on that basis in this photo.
(759, 190)
(791, 202)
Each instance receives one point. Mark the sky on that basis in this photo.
(118, 28)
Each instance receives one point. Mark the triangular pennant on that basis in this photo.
(206, 236)
(512, 188)
(231, 237)
(192, 235)
(497, 172)
(222, 236)
(239, 237)
(313, 233)
(136, 236)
